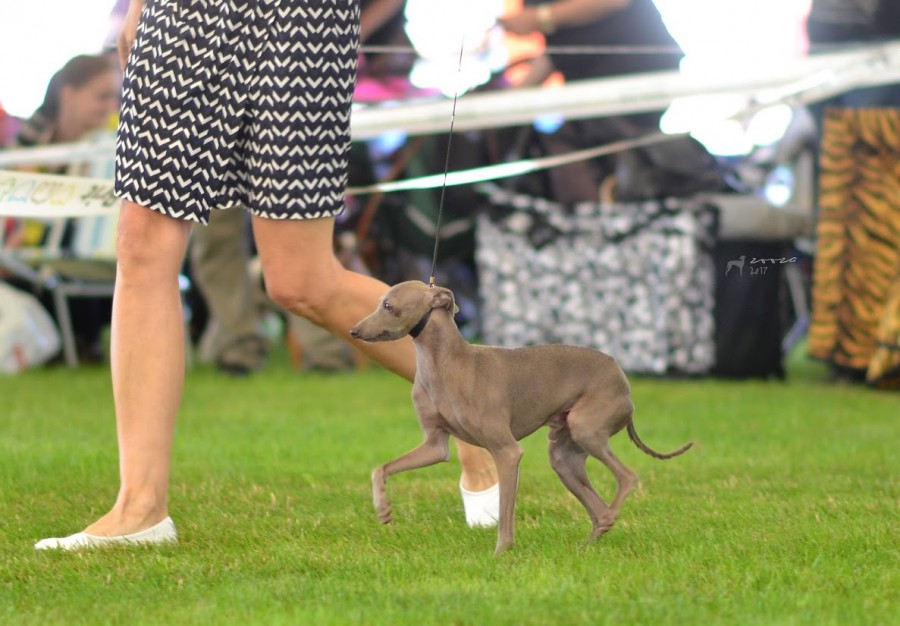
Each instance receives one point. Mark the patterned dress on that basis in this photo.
(239, 102)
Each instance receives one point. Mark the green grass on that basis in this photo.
(785, 511)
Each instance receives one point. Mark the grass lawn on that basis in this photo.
(785, 512)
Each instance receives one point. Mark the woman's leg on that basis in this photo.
(147, 358)
(303, 276)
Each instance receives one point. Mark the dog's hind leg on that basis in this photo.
(568, 460)
(591, 426)
(625, 478)
(625, 481)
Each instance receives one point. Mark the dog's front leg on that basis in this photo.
(507, 461)
(434, 449)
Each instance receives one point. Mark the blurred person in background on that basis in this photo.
(82, 98)
(835, 24)
(382, 23)
(595, 23)
(6, 127)
(639, 174)
(233, 338)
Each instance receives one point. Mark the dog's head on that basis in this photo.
(404, 309)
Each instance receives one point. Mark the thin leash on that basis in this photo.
(437, 229)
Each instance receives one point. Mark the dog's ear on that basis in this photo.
(443, 299)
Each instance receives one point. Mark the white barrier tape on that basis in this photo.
(508, 170)
(26, 194)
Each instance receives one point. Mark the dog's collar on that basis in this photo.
(415, 330)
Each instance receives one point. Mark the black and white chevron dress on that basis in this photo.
(239, 102)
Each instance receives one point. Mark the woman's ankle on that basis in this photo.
(478, 480)
(132, 514)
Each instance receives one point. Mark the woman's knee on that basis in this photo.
(309, 294)
(301, 273)
(146, 240)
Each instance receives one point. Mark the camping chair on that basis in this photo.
(76, 257)
(86, 268)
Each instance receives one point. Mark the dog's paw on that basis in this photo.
(379, 496)
(383, 510)
(599, 531)
(502, 546)
(382, 506)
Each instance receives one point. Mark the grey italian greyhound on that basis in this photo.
(492, 397)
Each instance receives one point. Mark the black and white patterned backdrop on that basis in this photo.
(633, 280)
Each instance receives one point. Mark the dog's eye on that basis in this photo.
(388, 307)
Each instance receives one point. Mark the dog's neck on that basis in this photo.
(415, 330)
(437, 325)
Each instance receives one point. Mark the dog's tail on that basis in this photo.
(647, 450)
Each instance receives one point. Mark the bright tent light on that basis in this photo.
(727, 38)
(710, 120)
(730, 34)
(718, 122)
(439, 28)
(725, 138)
(37, 38)
(686, 114)
(779, 185)
(768, 125)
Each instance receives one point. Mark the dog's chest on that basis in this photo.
(443, 398)
(457, 409)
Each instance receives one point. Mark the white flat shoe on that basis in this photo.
(482, 507)
(164, 532)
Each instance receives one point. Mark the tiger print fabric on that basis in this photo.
(856, 284)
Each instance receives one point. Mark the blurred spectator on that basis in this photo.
(852, 21)
(7, 226)
(383, 74)
(5, 127)
(381, 23)
(834, 23)
(641, 174)
(233, 337)
(596, 23)
(81, 98)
